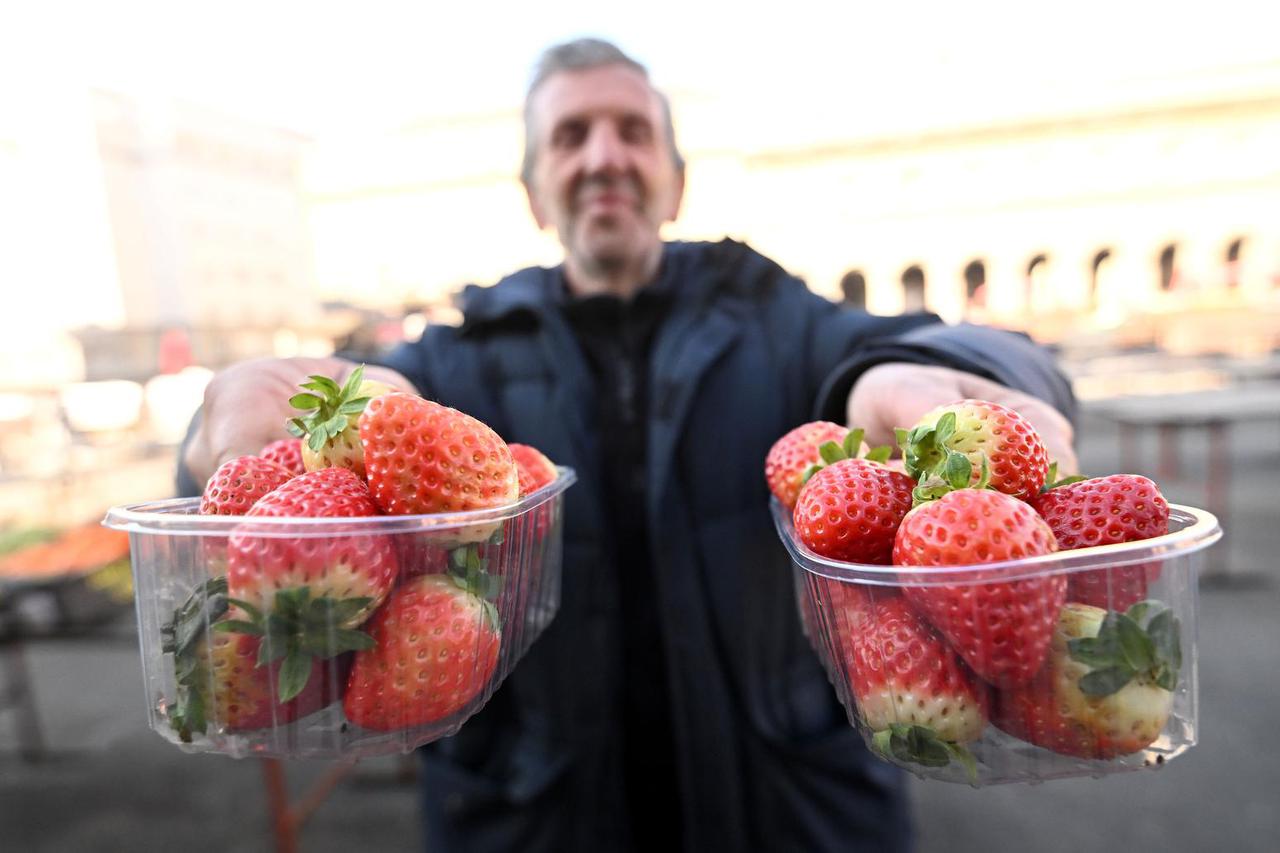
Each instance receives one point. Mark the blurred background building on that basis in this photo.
(149, 240)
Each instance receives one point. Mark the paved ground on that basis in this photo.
(115, 786)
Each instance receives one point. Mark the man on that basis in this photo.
(674, 702)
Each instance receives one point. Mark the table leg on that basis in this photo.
(23, 700)
(278, 801)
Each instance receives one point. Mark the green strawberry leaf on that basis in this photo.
(831, 452)
(1164, 632)
(853, 443)
(324, 384)
(1104, 682)
(354, 407)
(294, 673)
(945, 428)
(296, 427)
(1138, 649)
(348, 640)
(304, 401)
(352, 384)
(958, 469)
(254, 613)
(1092, 652)
(1138, 612)
(336, 612)
(238, 626)
(918, 745)
(901, 437)
(965, 759)
(879, 454)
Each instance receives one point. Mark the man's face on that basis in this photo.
(603, 176)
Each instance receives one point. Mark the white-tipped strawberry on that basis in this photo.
(329, 428)
(969, 441)
(911, 689)
(1107, 687)
(304, 593)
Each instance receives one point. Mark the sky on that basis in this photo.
(325, 69)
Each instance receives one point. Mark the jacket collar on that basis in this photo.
(535, 290)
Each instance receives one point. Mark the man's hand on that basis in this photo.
(897, 395)
(247, 405)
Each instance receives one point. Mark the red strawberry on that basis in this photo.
(535, 470)
(239, 483)
(950, 443)
(1000, 628)
(435, 649)
(221, 684)
(1106, 689)
(286, 452)
(306, 591)
(422, 457)
(1104, 511)
(851, 509)
(792, 455)
(911, 688)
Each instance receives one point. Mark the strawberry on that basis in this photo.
(851, 509)
(1103, 511)
(958, 442)
(239, 483)
(221, 681)
(423, 457)
(534, 469)
(911, 689)
(306, 592)
(1000, 628)
(286, 452)
(803, 451)
(1107, 687)
(329, 428)
(435, 649)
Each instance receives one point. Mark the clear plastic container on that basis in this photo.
(940, 720)
(205, 689)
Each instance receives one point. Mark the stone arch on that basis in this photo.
(1168, 268)
(913, 289)
(1098, 266)
(975, 284)
(853, 286)
(1035, 294)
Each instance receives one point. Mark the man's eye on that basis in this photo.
(637, 131)
(569, 135)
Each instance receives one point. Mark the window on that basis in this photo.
(1168, 267)
(912, 289)
(1037, 282)
(1097, 271)
(975, 284)
(1231, 273)
(854, 287)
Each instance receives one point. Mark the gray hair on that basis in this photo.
(581, 54)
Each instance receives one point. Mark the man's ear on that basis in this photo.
(535, 207)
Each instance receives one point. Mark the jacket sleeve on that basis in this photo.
(1010, 358)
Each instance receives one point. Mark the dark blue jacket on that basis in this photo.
(767, 758)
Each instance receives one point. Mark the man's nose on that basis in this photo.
(605, 151)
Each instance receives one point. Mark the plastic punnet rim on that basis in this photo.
(178, 517)
(1200, 532)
